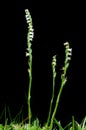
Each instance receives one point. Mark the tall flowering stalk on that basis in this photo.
(68, 53)
(30, 36)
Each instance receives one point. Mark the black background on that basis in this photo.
(54, 23)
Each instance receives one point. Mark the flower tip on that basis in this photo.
(66, 43)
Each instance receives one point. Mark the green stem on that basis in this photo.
(51, 100)
(73, 126)
(56, 106)
(29, 91)
(29, 39)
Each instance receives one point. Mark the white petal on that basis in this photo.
(70, 49)
(66, 43)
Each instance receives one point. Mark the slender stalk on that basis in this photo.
(73, 125)
(50, 110)
(30, 36)
(57, 103)
(54, 77)
(29, 91)
(68, 53)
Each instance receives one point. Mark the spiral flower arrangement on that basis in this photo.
(30, 36)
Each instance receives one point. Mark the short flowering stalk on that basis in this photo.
(68, 53)
(54, 77)
(30, 36)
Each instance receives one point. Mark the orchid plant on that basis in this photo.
(51, 115)
(51, 120)
(68, 53)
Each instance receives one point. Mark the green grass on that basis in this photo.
(73, 125)
(52, 123)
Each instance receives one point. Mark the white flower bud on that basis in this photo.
(27, 54)
(70, 50)
(30, 38)
(66, 43)
(28, 19)
(69, 58)
(31, 35)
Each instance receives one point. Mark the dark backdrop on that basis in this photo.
(54, 23)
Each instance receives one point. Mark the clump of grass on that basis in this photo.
(52, 123)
